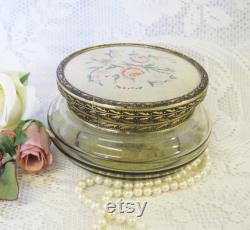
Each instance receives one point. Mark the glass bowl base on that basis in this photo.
(128, 155)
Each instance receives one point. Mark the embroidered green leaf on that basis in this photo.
(8, 182)
(116, 77)
(152, 83)
(24, 78)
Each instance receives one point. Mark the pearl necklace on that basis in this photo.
(181, 179)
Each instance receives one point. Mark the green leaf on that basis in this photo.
(24, 78)
(39, 124)
(20, 126)
(27, 123)
(8, 182)
(7, 157)
(7, 145)
(20, 137)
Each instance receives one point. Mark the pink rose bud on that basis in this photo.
(34, 155)
(8, 133)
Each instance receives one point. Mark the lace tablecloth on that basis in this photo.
(37, 34)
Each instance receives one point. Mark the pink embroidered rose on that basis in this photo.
(140, 59)
(132, 72)
(34, 154)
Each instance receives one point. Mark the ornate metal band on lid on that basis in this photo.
(132, 87)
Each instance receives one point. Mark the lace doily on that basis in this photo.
(38, 34)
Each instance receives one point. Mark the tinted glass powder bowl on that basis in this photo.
(130, 110)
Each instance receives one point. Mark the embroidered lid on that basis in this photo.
(131, 87)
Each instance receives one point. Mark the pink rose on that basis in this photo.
(34, 154)
(8, 133)
(132, 72)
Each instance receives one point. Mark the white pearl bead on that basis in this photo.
(98, 180)
(190, 181)
(165, 187)
(107, 182)
(117, 192)
(117, 184)
(148, 184)
(198, 161)
(131, 222)
(90, 182)
(157, 182)
(197, 177)
(208, 167)
(183, 185)
(183, 172)
(177, 176)
(174, 186)
(193, 163)
(168, 179)
(157, 191)
(127, 193)
(120, 219)
(138, 185)
(82, 184)
(147, 191)
(203, 173)
(128, 185)
(109, 193)
(188, 168)
(138, 192)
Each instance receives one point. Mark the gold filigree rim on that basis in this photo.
(198, 92)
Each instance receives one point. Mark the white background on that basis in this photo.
(37, 34)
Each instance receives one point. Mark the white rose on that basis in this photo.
(15, 99)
